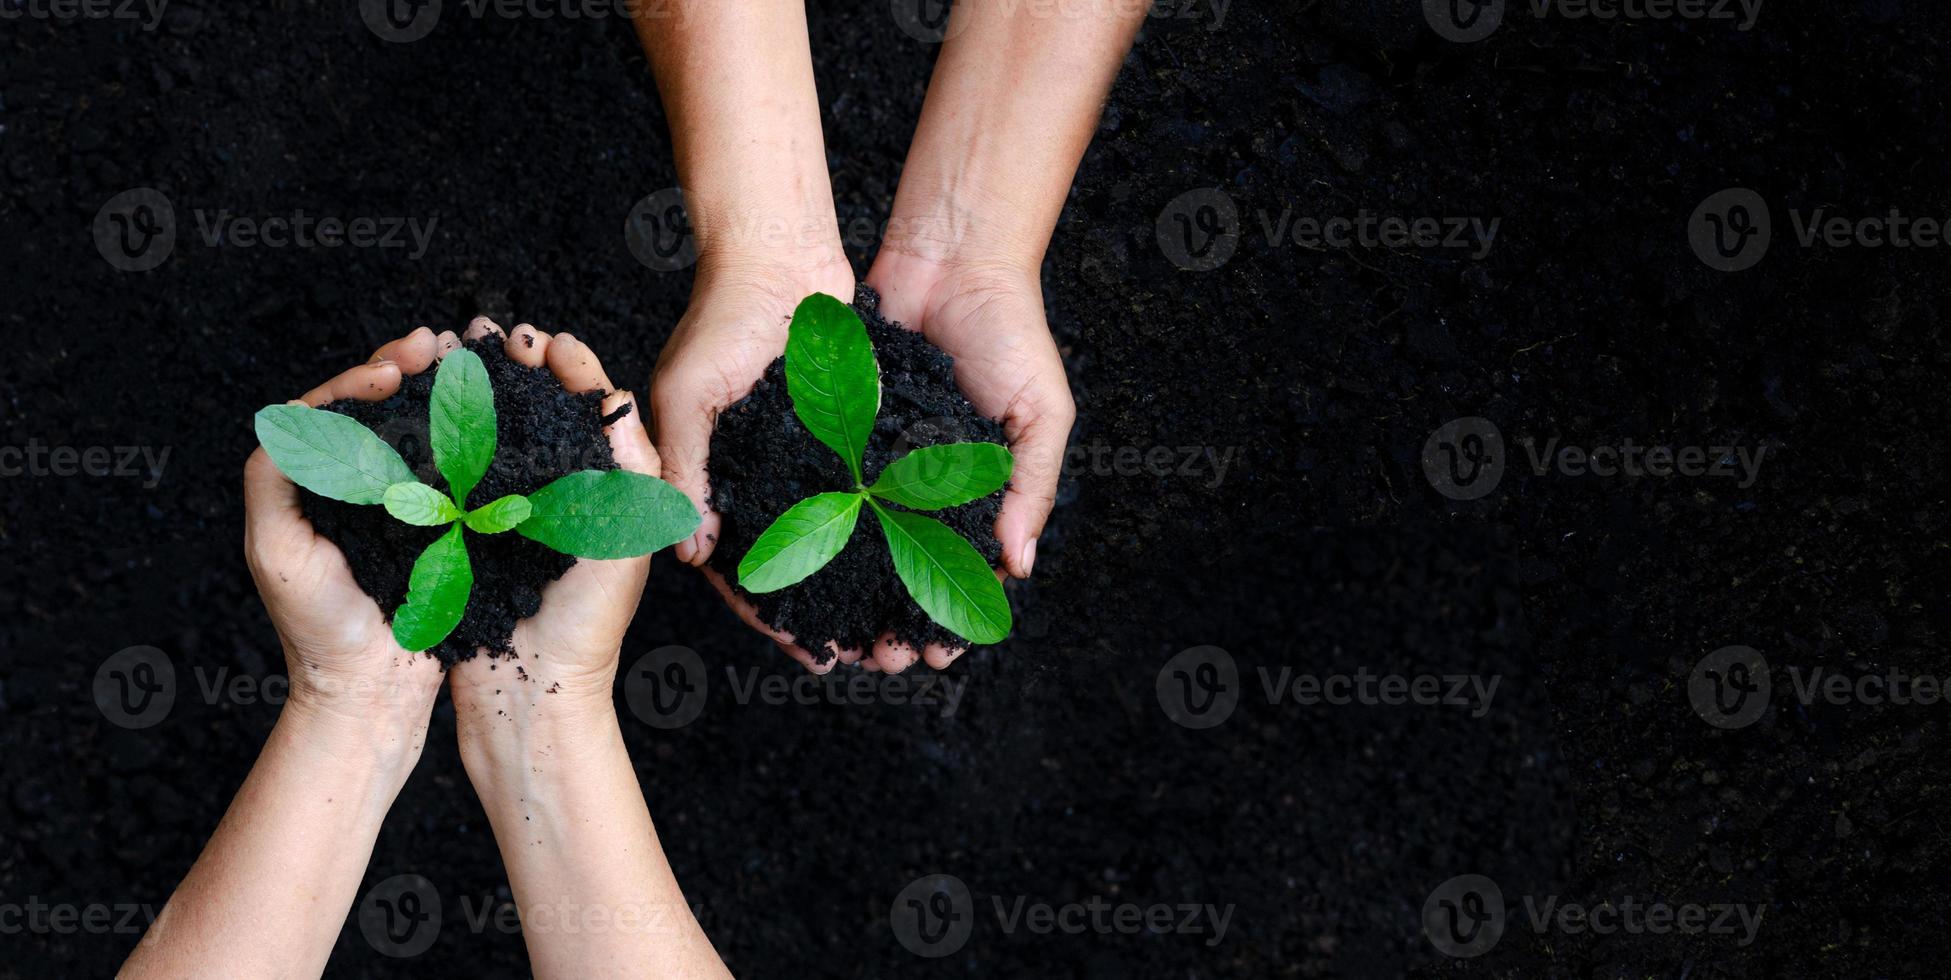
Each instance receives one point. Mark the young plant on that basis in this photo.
(589, 514)
(835, 386)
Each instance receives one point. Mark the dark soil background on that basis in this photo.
(541, 432)
(764, 461)
(1322, 547)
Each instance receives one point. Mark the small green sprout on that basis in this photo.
(589, 514)
(835, 386)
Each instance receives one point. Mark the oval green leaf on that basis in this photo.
(800, 542)
(832, 378)
(331, 455)
(420, 505)
(461, 422)
(436, 596)
(934, 477)
(613, 514)
(499, 516)
(947, 577)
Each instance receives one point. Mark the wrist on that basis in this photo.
(513, 737)
(377, 747)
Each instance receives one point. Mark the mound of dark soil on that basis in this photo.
(763, 461)
(545, 432)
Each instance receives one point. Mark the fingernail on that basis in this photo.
(685, 549)
(1029, 557)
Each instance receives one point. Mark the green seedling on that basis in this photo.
(589, 514)
(835, 386)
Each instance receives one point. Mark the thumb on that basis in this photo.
(683, 420)
(1038, 444)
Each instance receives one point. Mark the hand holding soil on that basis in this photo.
(339, 650)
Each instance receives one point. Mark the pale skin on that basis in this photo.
(1014, 101)
(271, 890)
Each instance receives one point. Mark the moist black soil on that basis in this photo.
(763, 461)
(545, 432)
(1321, 548)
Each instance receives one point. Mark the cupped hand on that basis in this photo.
(733, 329)
(990, 319)
(340, 653)
(568, 650)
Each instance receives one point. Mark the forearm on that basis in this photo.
(271, 891)
(737, 85)
(595, 894)
(1013, 104)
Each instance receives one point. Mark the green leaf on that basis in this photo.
(831, 376)
(436, 596)
(947, 577)
(614, 514)
(800, 542)
(420, 505)
(461, 422)
(934, 477)
(331, 455)
(502, 515)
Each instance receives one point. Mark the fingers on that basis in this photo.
(445, 343)
(684, 421)
(414, 352)
(629, 442)
(750, 615)
(1038, 445)
(939, 656)
(527, 346)
(576, 366)
(270, 500)
(367, 382)
(891, 655)
(480, 327)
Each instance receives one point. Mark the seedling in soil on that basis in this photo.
(835, 386)
(589, 514)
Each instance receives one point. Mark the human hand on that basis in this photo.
(734, 328)
(990, 318)
(340, 655)
(568, 650)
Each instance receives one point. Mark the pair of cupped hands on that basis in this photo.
(337, 638)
